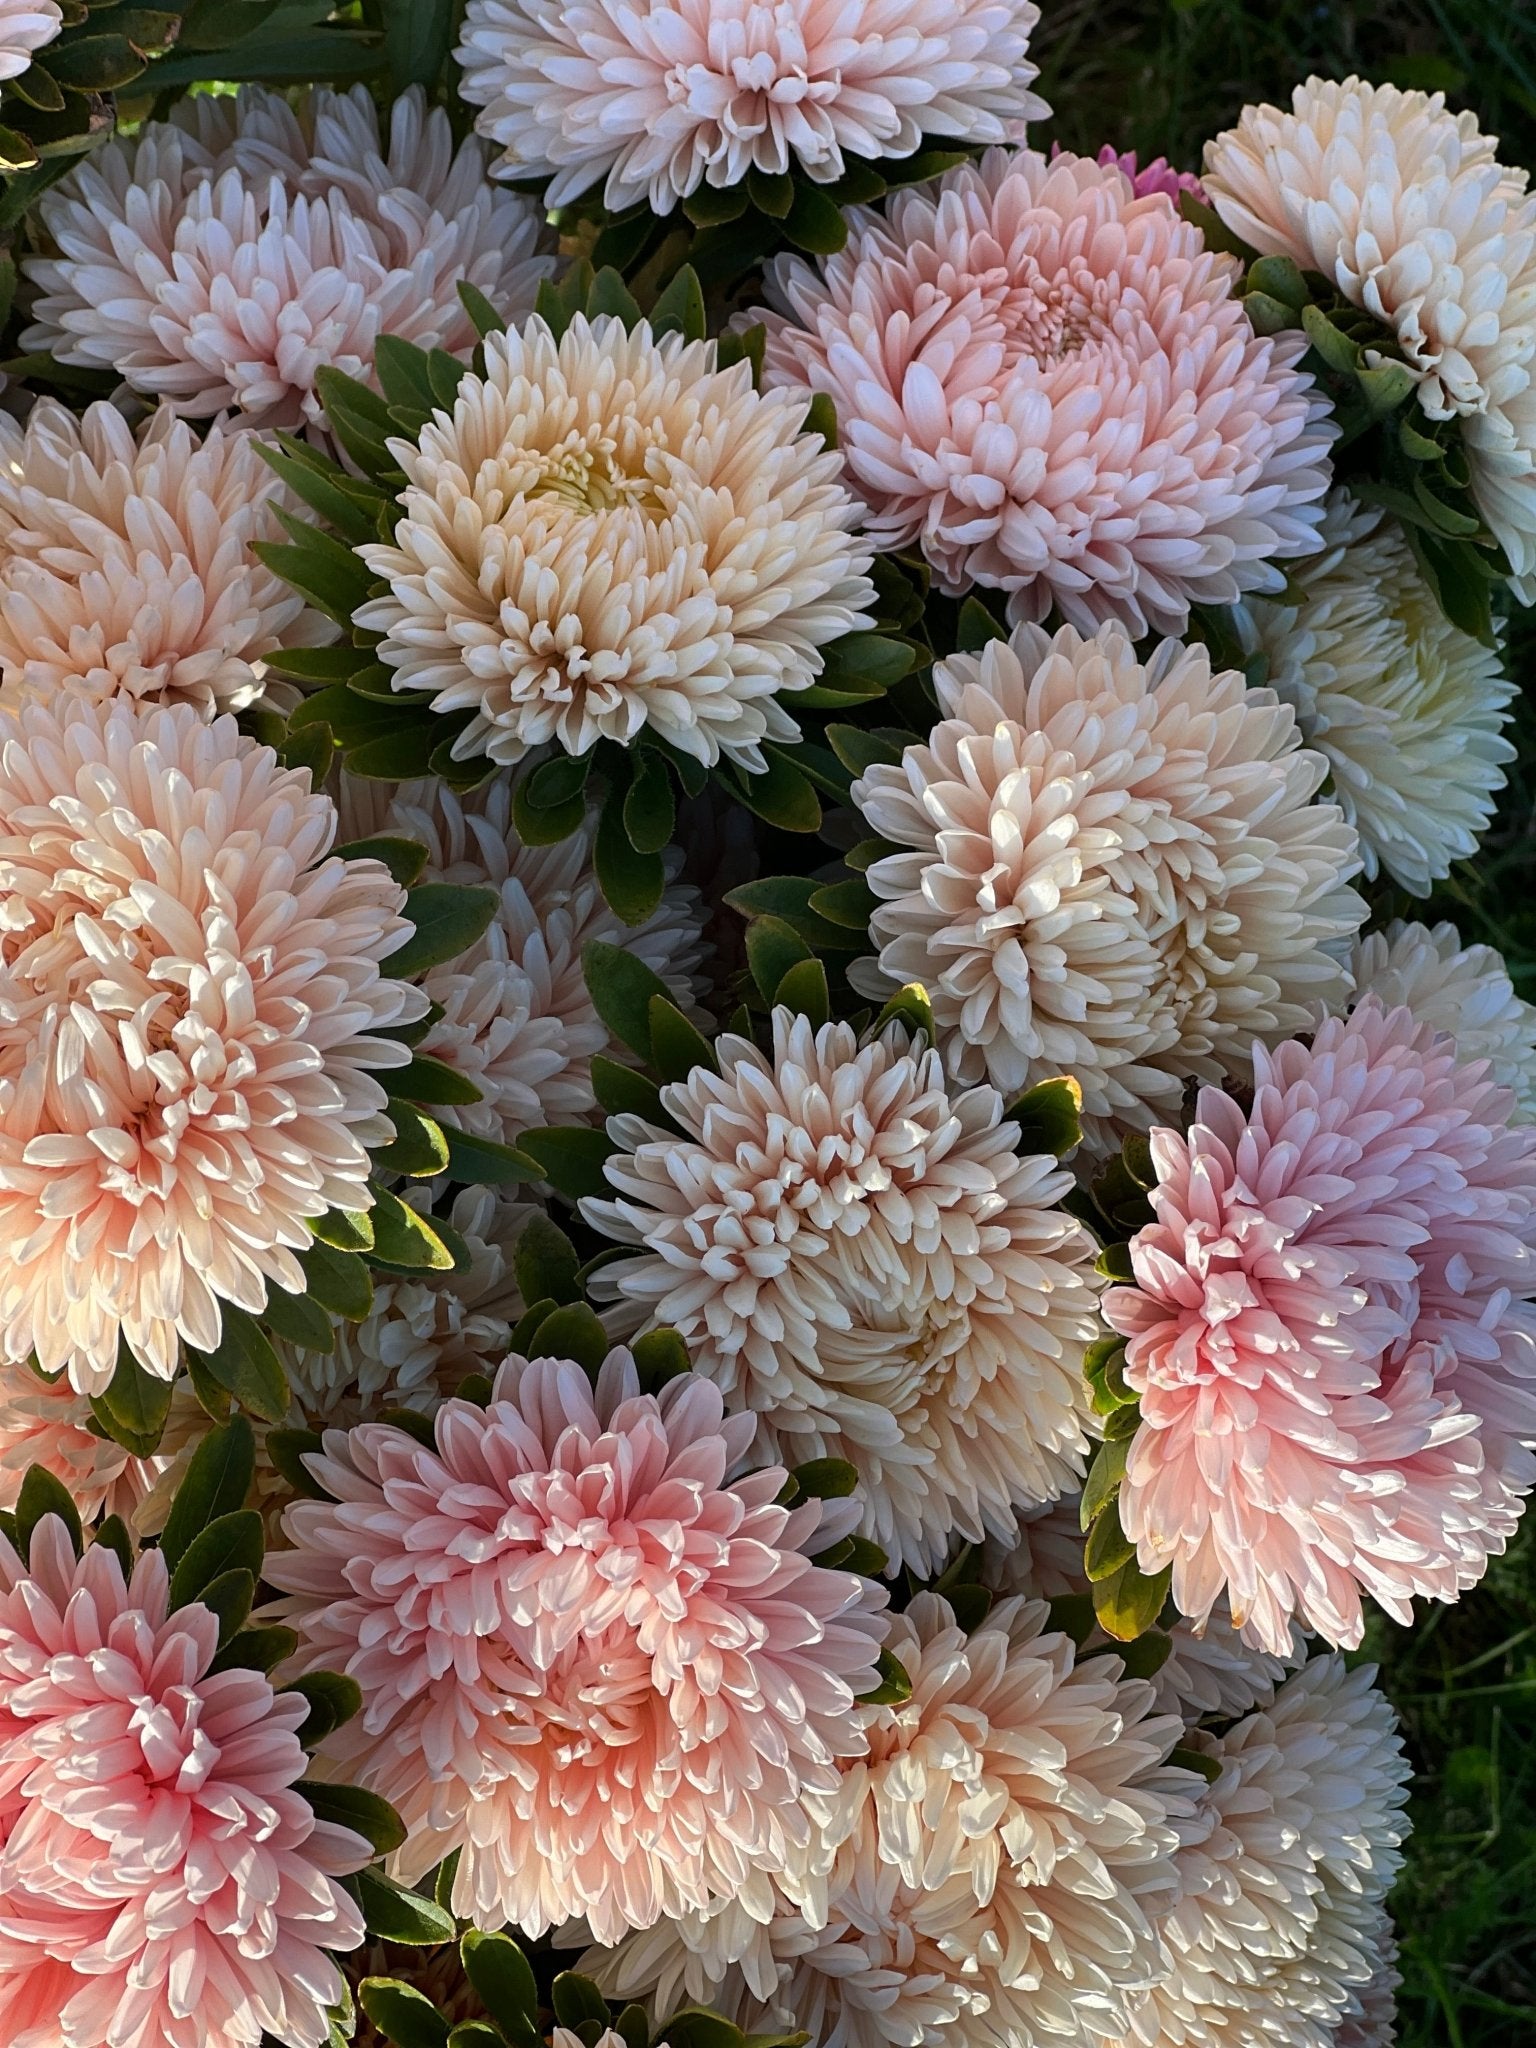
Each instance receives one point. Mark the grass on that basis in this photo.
(1160, 79)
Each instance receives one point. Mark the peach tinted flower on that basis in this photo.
(219, 259)
(1332, 1336)
(1464, 991)
(189, 992)
(859, 1257)
(659, 100)
(610, 532)
(592, 1660)
(164, 1882)
(1051, 388)
(126, 566)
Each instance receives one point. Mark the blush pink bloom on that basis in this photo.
(1157, 176)
(1332, 1336)
(1051, 387)
(46, 1422)
(591, 1660)
(163, 1884)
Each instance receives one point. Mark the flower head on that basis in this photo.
(27, 26)
(189, 992)
(223, 257)
(46, 1422)
(1110, 869)
(126, 565)
(1157, 176)
(1409, 711)
(1331, 1334)
(1276, 1933)
(518, 1020)
(1403, 206)
(1001, 1855)
(660, 100)
(1051, 387)
(863, 1262)
(1464, 991)
(609, 532)
(164, 1881)
(591, 1659)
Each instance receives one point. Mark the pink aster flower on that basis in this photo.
(46, 1422)
(1157, 176)
(190, 997)
(1332, 1336)
(163, 1882)
(591, 1660)
(1050, 386)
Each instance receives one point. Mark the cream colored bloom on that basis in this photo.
(1409, 711)
(858, 1256)
(1404, 206)
(662, 99)
(190, 992)
(609, 532)
(221, 258)
(518, 1020)
(26, 26)
(126, 564)
(1110, 869)
(1462, 990)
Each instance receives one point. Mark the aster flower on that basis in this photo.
(661, 100)
(220, 258)
(862, 1261)
(126, 565)
(609, 532)
(1277, 1932)
(45, 1422)
(1050, 386)
(648, 1672)
(1409, 711)
(1332, 1336)
(27, 26)
(1404, 207)
(1001, 1855)
(188, 996)
(518, 1020)
(1370, 2018)
(1157, 176)
(1111, 869)
(1462, 990)
(163, 1878)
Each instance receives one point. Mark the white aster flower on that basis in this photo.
(1404, 206)
(27, 26)
(661, 99)
(1277, 1933)
(1462, 990)
(1109, 868)
(610, 532)
(1409, 711)
(126, 564)
(518, 1020)
(221, 258)
(858, 1256)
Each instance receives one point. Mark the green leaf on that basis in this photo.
(1049, 1116)
(392, 1913)
(677, 1046)
(425, 1079)
(804, 989)
(910, 1008)
(859, 750)
(571, 1159)
(314, 748)
(659, 1355)
(547, 824)
(893, 1683)
(680, 308)
(417, 37)
(114, 1534)
(814, 222)
(286, 1450)
(405, 1239)
(257, 1649)
(228, 1598)
(338, 1280)
(631, 881)
(1330, 342)
(554, 783)
(327, 490)
(95, 63)
(610, 294)
(710, 206)
(1104, 1479)
(300, 1321)
(573, 1331)
(400, 2012)
(846, 903)
(476, 2034)
(40, 1495)
(622, 988)
(477, 1161)
(1385, 387)
(405, 858)
(418, 1149)
(773, 949)
(1281, 278)
(1147, 1655)
(483, 315)
(783, 796)
(700, 2028)
(400, 366)
(650, 810)
(545, 1262)
(349, 1806)
(1207, 1767)
(771, 192)
(577, 2001)
(621, 1091)
(133, 1409)
(1128, 1603)
(393, 756)
(826, 1478)
(246, 1367)
(216, 1484)
(788, 897)
(359, 418)
(231, 1543)
(448, 920)
(976, 627)
(821, 418)
(504, 1983)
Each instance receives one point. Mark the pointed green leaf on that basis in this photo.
(545, 1262)
(232, 1543)
(134, 1407)
(41, 1495)
(504, 1983)
(216, 1483)
(349, 1806)
(299, 1321)
(402, 2014)
(621, 987)
(448, 920)
(338, 1280)
(405, 1239)
(246, 1366)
